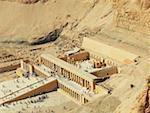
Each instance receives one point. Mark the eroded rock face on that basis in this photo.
(52, 36)
(144, 100)
(32, 1)
(143, 4)
(133, 15)
(27, 1)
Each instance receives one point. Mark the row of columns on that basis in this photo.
(26, 67)
(70, 92)
(77, 79)
(70, 60)
(47, 63)
(106, 60)
(67, 74)
(73, 94)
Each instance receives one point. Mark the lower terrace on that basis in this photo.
(22, 88)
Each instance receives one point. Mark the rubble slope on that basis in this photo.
(27, 21)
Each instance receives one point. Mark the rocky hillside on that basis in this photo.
(35, 21)
(28, 21)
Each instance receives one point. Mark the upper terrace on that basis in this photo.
(112, 55)
(82, 60)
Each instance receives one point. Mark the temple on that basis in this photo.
(76, 73)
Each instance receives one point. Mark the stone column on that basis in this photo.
(82, 99)
(39, 59)
(92, 86)
(30, 69)
(21, 63)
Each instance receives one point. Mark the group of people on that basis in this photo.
(25, 104)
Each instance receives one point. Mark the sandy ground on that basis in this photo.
(54, 103)
(7, 76)
(50, 104)
(123, 99)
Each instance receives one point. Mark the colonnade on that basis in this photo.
(108, 61)
(67, 74)
(26, 67)
(79, 97)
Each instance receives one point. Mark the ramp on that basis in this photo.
(26, 89)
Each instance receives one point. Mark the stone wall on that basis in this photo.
(106, 72)
(10, 66)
